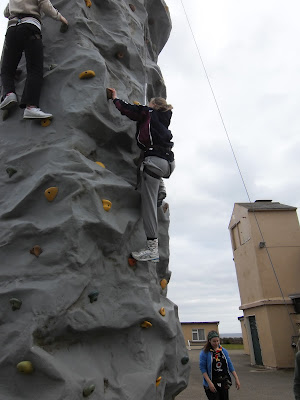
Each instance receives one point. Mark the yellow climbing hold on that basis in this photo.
(87, 74)
(25, 367)
(88, 3)
(137, 103)
(100, 163)
(163, 283)
(146, 324)
(45, 122)
(106, 204)
(51, 193)
(162, 311)
(158, 380)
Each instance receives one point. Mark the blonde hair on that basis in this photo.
(160, 104)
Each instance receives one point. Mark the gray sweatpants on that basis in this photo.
(149, 191)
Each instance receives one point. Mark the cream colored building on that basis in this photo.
(265, 239)
(195, 333)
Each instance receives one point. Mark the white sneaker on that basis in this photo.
(9, 101)
(35, 113)
(149, 254)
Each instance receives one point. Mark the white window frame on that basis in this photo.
(199, 333)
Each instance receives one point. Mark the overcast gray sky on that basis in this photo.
(251, 53)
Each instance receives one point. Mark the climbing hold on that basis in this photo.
(64, 27)
(88, 3)
(88, 390)
(165, 207)
(87, 74)
(132, 7)
(137, 103)
(51, 193)
(106, 204)
(185, 360)
(163, 283)
(120, 55)
(15, 304)
(131, 261)
(52, 66)
(108, 94)
(36, 250)
(158, 380)
(162, 311)
(146, 324)
(167, 9)
(11, 171)
(100, 163)
(25, 367)
(93, 296)
(45, 122)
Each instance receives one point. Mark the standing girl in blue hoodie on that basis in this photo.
(216, 366)
(154, 139)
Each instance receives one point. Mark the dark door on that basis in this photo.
(255, 341)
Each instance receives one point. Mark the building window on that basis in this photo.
(198, 334)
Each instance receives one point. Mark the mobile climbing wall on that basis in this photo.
(78, 317)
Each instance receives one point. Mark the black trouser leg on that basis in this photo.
(34, 64)
(220, 394)
(12, 53)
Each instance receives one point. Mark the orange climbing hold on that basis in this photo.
(45, 122)
(25, 367)
(158, 380)
(106, 204)
(51, 193)
(146, 324)
(100, 163)
(131, 261)
(36, 250)
(162, 311)
(163, 283)
(88, 3)
(87, 74)
(165, 207)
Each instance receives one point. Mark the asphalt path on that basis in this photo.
(256, 383)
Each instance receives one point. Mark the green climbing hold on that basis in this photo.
(88, 390)
(11, 171)
(185, 360)
(15, 304)
(93, 296)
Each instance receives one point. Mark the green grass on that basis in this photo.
(233, 346)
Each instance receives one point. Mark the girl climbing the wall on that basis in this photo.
(24, 34)
(154, 139)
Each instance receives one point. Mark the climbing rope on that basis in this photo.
(237, 164)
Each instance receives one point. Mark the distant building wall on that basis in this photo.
(189, 330)
(270, 320)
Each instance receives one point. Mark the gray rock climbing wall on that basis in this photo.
(71, 306)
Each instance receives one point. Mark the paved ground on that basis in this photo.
(256, 383)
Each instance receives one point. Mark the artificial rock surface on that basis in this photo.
(69, 301)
